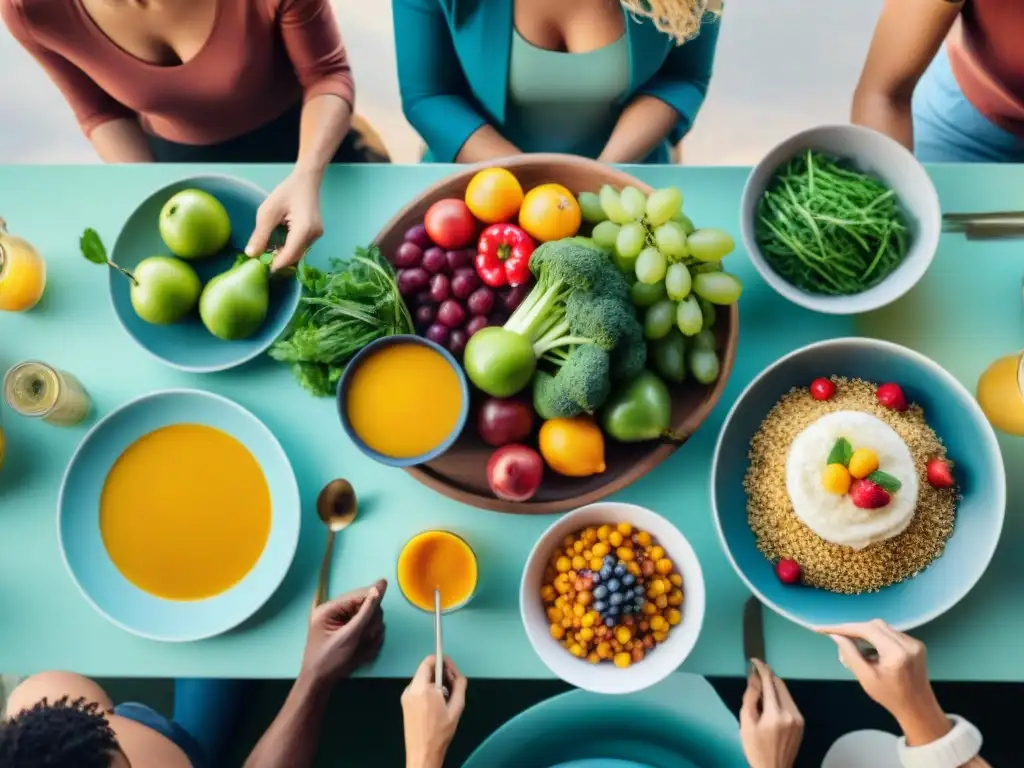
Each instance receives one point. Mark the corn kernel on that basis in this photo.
(557, 631)
(547, 593)
(633, 568)
(577, 650)
(625, 554)
(643, 538)
(579, 563)
(623, 635)
(555, 615)
(587, 620)
(563, 564)
(590, 533)
(595, 564)
(658, 624)
(650, 608)
(568, 540)
(659, 637)
(676, 598)
(577, 546)
(562, 587)
(601, 549)
(593, 658)
(657, 552)
(588, 555)
(676, 579)
(586, 634)
(578, 610)
(663, 566)
(657, 588)
(604, 650)
(602, 532)
(625, 529)
(673, 616)
(567, 622)
(584, 598)
(623, 660)
(615, 539)
(661, 601)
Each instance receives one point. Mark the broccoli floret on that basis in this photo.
(550, 400)
(629, 358)
(585, 376)
(602, 319)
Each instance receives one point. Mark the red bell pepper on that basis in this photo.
(503, 255)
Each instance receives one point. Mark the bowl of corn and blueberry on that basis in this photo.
(612, 598)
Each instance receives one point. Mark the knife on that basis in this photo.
(753, 630)
(981, 226)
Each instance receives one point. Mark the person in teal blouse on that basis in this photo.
(620, 82)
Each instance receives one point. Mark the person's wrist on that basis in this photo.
(425, 758)
(311, 171)
(924, 723)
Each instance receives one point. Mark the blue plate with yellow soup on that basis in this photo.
(178, 515)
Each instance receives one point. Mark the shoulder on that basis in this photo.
(38, 18)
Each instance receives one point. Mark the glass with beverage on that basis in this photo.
(40, 391)
(1000, 394)
(22, 273)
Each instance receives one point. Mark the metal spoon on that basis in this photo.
(337, 506)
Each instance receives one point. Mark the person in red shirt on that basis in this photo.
(205, 81)
(946, 79)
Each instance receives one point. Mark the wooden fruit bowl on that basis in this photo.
(460, 473)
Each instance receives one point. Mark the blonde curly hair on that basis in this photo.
(679, 19)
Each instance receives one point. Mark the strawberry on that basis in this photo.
(891, 396)
(940, 474)
(822, 389)
(867, 495)
(788, 571)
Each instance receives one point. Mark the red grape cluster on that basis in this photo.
(448, 300)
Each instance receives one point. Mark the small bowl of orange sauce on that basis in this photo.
(437, 560)
(403, 400)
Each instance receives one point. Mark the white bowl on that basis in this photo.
(870, 152)
(606, 677)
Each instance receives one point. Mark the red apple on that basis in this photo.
(501, 421)
(514, 472)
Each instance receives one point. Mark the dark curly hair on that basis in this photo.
(64, 734)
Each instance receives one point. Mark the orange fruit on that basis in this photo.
(550, 212)
(494, 195)
(572, 447)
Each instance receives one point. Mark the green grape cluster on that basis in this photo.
(675, 269)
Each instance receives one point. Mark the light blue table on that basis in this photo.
(966, 312)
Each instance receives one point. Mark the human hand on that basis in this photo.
(344, 634)
(771, 726)
(898, 680)
(295, 203)
(430, 722)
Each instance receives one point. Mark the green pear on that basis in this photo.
(164, 289)
(234, 303)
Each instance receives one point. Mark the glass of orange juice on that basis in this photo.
(22, 273)
(437, 560)
(1000, 394)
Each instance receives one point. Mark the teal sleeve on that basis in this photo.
(682, 82)
(436, 98)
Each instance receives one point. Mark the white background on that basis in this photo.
(782, 65)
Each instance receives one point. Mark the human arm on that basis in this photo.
(771, 726)
(344, 634)
(315, 48)
(429, 721)
(907, 36)
(667, 105)
(898, 680)
(111, 127)
(436, 98)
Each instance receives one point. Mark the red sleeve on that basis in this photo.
(91, 104)
(313, 41)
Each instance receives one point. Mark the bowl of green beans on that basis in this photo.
(840, 219)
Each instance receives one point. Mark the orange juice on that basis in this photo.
(22, 273)
(437, 560)
(1001, 394)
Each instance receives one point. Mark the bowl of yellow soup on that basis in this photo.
(403, 400)
(438, 560)
(178, 515)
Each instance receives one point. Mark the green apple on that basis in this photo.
(234, 303)
(194, 224)
(164, 290)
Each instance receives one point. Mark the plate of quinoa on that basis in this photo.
(856, 479)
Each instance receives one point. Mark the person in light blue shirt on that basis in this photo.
(620, 82)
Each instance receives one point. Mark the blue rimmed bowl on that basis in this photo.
(346, 381)
(958, 421)
(187, 345)
(85, 554)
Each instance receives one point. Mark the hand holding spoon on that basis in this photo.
(337, 506)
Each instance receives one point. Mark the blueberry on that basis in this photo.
(609, 560)
(614, 585)
(609, 622)
(638, 602)
(615, 598)
(613, 610)
(620, 570)
(629, 579)
(595, 579)
(628, 608)
(600, 591)
(606, 573)
(599, 605)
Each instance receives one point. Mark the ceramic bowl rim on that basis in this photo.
(991, 447)
(359, 358)
(241, 182)
(872, 298)
(687, 553)
(293, 535)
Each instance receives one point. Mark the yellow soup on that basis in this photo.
(185, 512)
(404, 400)
(437, 560)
